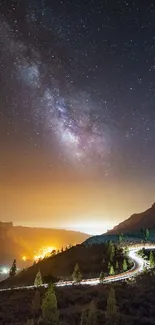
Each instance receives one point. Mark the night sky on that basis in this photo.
(77, 112)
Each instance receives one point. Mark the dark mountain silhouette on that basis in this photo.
(136, 222)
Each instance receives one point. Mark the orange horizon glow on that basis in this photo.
(63, 205)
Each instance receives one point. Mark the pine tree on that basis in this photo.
(117, 267)
(142, 233)
(120, 238)
(49, 308)
(77, 276)
(147, 234)
(53, 253)
(111, 251)
(36, 303)
(30, 322)
(38, 279)
(102, 277)
(152, 259)
(84, 317)
(92, 314)
(125, 266)
(13, 269)
(111, 311)
(111, 272)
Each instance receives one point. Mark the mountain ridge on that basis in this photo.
(136, 221)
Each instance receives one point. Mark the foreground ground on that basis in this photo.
(135, 301)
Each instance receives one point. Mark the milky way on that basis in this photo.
(83, 137)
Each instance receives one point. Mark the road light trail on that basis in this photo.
(139, 264)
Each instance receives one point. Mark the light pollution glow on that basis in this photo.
(42, 253)
(87, 207)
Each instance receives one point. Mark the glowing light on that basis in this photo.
(24, 258)
(5, 270)
(44, 252)
(92, 228)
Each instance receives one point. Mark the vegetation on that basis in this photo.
(120, 238)
(117, 267)
(152, 259)
(49, 308)
(13, 269)
(135, 303)
(30, 322)
(111, 251)
(36, 304)
(125, 266)
(102, 277)
(77, 276)
(111, 311)
(145, 234)
(84, 317)
(92, 314)
(38, 279)
(111, 271)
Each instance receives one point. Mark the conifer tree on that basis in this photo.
(111, 251)
(38, 279)
(13, 269)
(102, 277)
(125, 266)
(152, 259)
(120, 238)
(49, 308)
(111, 272)
(36, 304)
(147, 234)
(117, 267)
(111, 311)
(84, 317)
(76, 276)
(30, 322)
(92, 314)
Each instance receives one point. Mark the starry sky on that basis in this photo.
(77, 112)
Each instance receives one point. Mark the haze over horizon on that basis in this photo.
(76, 113)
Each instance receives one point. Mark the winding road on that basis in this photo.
(139, 264)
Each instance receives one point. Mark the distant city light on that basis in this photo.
(44, 252)
(4, 270)
(91, 228)
(24, 258)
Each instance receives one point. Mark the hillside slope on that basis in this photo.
(91, 259)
